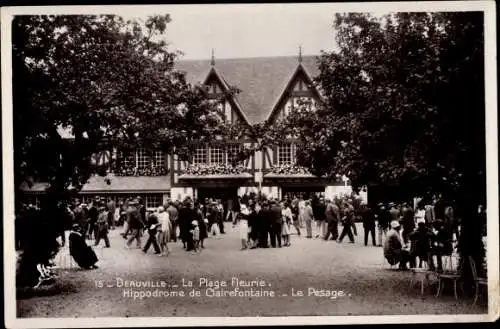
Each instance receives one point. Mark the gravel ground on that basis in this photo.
(364, 286)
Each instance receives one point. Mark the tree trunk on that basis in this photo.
(471, 238)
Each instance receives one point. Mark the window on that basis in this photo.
(143, 159)
(33, 200)
(286, 154)
(129, 159)
(153, 200)
(232, 152)
(200, 156)
(288, 108)
(228, 113)
(306, 103)
(87, 198)
(159, 158)
(217, 155)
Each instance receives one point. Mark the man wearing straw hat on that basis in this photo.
(395, 249)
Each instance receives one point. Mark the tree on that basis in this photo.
(404, 108)
(111, 83)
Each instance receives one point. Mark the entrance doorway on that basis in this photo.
(307, 192)
(227, 195)
(222, 193)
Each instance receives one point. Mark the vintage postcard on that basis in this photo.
(200, 165)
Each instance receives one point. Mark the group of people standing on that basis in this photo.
(430, 230)
(190, 220)
(269, 222)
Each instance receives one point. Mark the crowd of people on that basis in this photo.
(405, 233)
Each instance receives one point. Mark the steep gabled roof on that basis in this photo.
(261, 80)
(282, 96)
(213, 71)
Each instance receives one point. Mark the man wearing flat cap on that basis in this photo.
(102, 226)
(135, 223)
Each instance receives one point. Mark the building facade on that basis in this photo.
(268, 88)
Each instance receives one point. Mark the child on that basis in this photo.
(420, 243)
(195, 231)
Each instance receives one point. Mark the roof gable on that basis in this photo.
(261, 81)
(213, 75)
(300, 75)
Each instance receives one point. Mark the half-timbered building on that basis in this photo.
(268, 88)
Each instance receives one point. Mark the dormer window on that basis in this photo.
(298, 102)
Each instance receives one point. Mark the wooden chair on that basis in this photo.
(478, 281)
(450, 275)
(423, 274)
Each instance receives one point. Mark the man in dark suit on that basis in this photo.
(187, 214)
(408, 221)
(332, 218)
(319, 211)
(136, 223)
(368, 223)
(152, 226)
(276, 223)
(92, 215)
(264, 224)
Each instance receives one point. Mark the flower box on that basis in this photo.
(288, 170)
(134, 171)
(214, 170)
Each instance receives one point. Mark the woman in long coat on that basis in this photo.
(186, 215)
(83, 254)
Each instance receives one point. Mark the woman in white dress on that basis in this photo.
(302, 208)
(165, 229)
(420, 213)
(242, 221)
(287, 218)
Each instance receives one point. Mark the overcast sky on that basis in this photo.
(235, 31)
